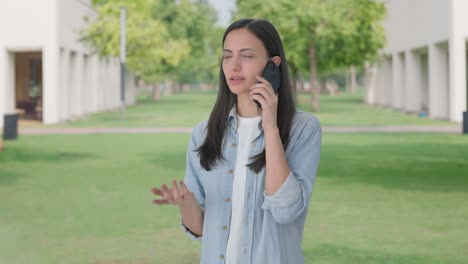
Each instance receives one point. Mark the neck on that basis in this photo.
(246, 107)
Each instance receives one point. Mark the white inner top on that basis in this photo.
(247, 128)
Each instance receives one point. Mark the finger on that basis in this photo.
(260, 99)
(183, 187)
(267, 83)
(160, 201)
(263, 92)
(262, 80)
(156, 191)
(267, 86)
(167, 194)
(175, 191)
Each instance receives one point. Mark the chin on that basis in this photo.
(238, 90)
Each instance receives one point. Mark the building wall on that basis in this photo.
(75, 80)
(415, 23)
(427, 43)
(19, 35)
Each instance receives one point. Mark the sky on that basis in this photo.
(224, 8)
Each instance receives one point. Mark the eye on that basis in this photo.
(247, 56)
(225, 57)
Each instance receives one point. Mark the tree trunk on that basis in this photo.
(348, 81)
(353, 79)
(315, 87)
(168, 87)
(178, 87)
(156, 93)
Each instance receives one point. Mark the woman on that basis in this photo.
(250, 170)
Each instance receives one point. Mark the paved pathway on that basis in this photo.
(148, 130)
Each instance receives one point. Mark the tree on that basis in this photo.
(166, 39)
(333, 33)
(195, 22)
(149, 46)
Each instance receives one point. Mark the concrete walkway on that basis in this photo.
(149, 130)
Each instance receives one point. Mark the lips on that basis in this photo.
(236, 79)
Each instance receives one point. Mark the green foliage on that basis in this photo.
(344, 32)
(195, 23)
(164, 37)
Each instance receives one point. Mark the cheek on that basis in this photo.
(256, 70)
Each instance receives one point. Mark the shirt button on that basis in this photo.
(234, 145)
(221, 256)
(225, 227)
(245, 251)
(231, 171)
(248, 195)
(228, 200)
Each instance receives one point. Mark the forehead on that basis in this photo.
(242, 39)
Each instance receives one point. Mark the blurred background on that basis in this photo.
(88, 130)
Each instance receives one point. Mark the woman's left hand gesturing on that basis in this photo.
(264, 94)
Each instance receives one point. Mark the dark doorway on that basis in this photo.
(28, 85)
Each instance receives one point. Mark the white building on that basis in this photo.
(424, 65)
(45, 72)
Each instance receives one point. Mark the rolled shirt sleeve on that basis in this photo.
(288, 194)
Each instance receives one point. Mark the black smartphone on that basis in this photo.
(272, 74)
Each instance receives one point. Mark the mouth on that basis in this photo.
(236, 79)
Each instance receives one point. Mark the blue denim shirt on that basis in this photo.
(273, 224)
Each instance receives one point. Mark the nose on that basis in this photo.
(235, 63)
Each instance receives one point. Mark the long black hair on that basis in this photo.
(210, 150)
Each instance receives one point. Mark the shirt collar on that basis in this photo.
(232, 119)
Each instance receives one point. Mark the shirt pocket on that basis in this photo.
(214, 181)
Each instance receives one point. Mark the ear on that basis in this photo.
(276, 60)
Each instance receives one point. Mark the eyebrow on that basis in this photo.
(246, 49)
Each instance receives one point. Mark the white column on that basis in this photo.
(72, 85)
(115, 83)
(413, 88)
(51, 84)
(50, 65)
(3, 82)
(398, 80)
(85, 85)
(457, 60)
(387, 82)
(64, 84)
(438, 82)
(104, 82)
(7, 83)
(380, 80)
(78, 86)
(424, 81)
(94, 81)
(370, 83)
(116, 74)
(102, 86)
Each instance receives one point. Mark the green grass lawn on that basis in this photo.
(188, 108)
(378, 198)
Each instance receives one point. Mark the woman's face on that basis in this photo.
(244, 57)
